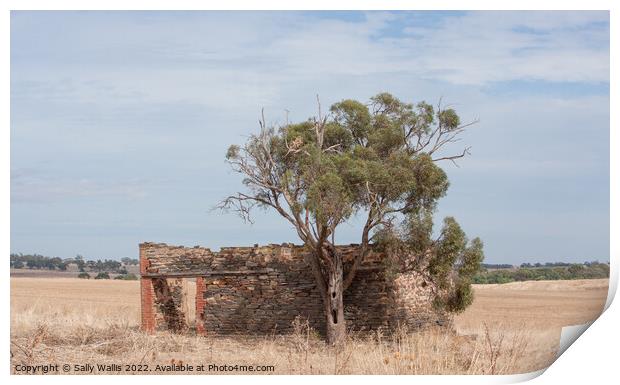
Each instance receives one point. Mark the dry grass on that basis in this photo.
(509, 329)
(540, 308)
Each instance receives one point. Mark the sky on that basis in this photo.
(120, 121)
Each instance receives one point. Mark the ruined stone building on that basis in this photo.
(262, 289)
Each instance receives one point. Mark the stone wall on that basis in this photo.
(262, 289)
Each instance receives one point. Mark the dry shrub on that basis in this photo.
(28, 346)
(499, 350)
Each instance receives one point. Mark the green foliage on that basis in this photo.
(36, 261)
(84, 275)
(233, 152)
(456, 300)
(449, 118)
(497, 266)
(129, 261)
(354, 118)
(103, 275)
(328, 197)
(449, 261)
(588, 270)
(105, 265)
(127, 277)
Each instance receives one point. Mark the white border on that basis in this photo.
(593, 356)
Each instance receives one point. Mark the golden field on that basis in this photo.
(510, 328)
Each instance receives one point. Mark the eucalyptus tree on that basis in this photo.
(378, 161)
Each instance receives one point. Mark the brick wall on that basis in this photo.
(147, 302)
(262, 289)
(200, 305)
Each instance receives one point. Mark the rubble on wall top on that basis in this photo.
(255, 246)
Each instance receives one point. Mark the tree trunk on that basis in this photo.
(334, 305)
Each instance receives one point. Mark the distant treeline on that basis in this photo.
(555, 271)
(497, 266)
(549, 264)
(40, 262)
(527, 265)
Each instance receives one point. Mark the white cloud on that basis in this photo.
(225, 60)
(33, 186)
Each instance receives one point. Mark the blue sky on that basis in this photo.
(120, 120)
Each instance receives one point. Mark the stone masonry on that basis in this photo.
(262, 289)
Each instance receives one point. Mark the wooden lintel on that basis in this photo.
(207, 273)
